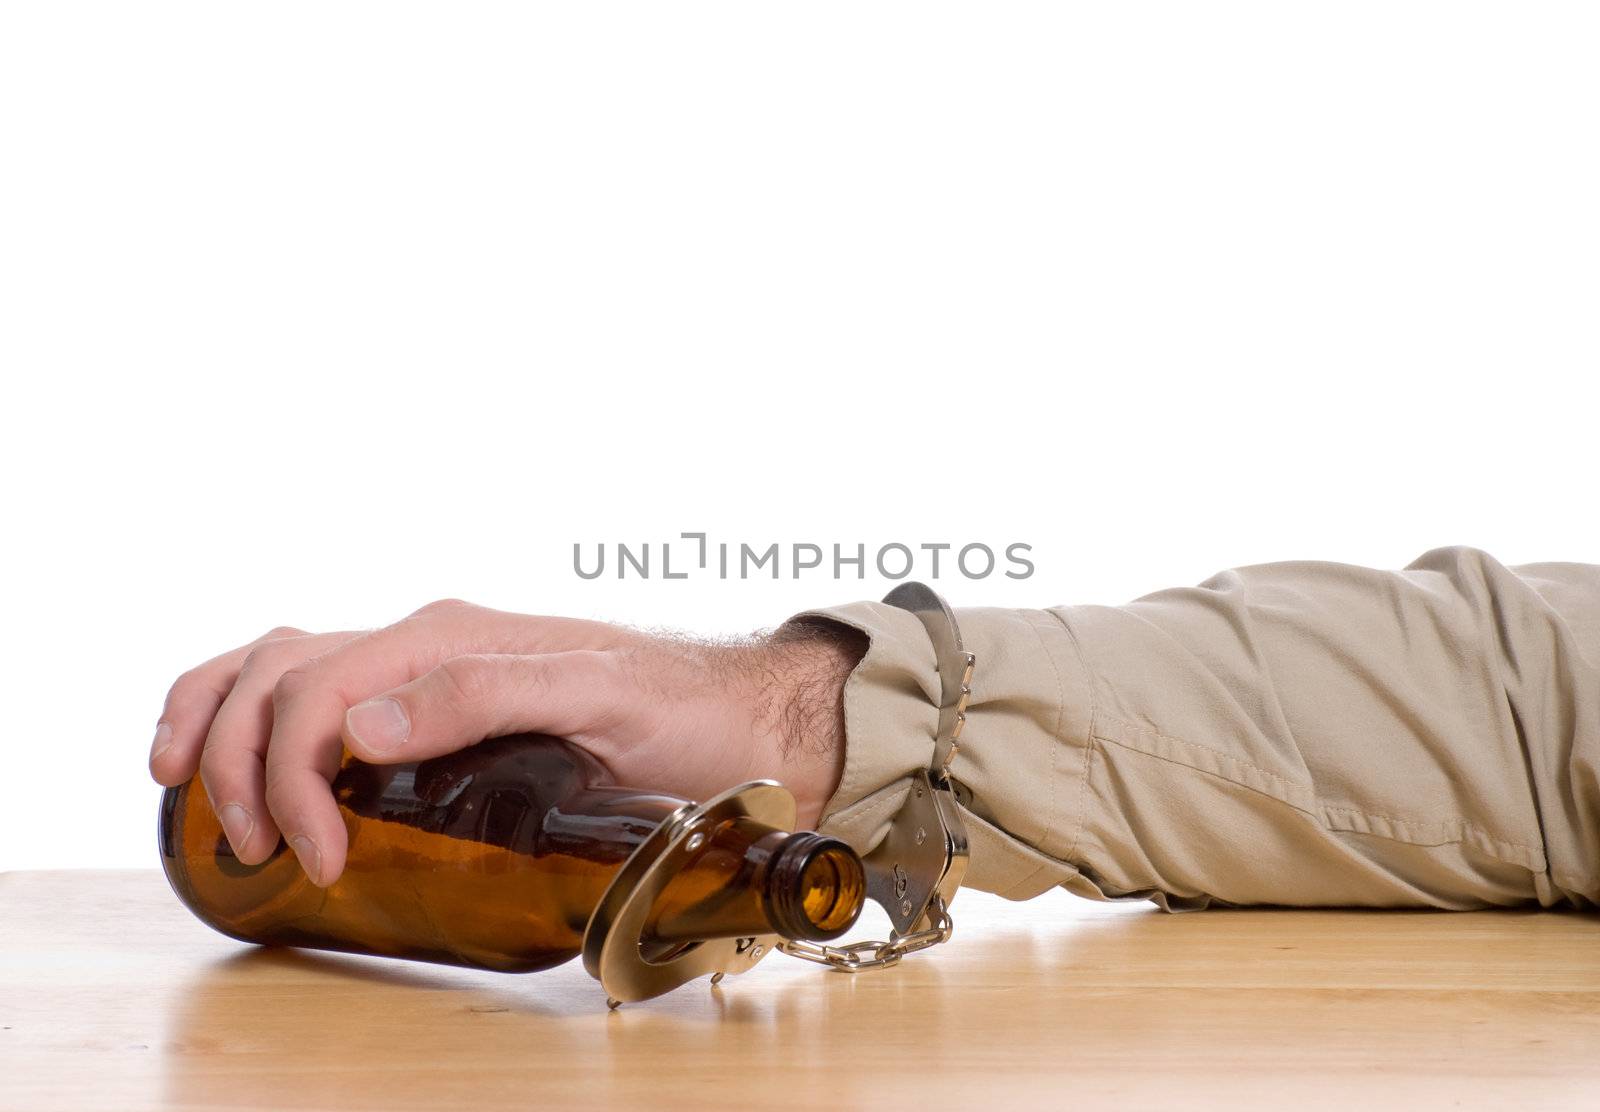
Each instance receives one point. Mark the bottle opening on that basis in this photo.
(834, 888)
(818, 888)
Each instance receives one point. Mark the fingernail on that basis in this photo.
(237, 823)
(310, 857)
(163, 740)
(379, 724)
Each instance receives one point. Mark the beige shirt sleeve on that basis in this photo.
(1301, 733)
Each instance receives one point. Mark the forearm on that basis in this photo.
(1300, 733)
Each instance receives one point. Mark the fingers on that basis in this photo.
(468, 698)
(309, 704)
(233, 762)
(191, 705)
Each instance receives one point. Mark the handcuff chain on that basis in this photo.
(878, 955)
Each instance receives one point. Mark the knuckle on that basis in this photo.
(272, 776)
(254, 659)
(213, 769)
(279, 797)
(191, 688)
(442, 606)
(466, 678)
(268, 654)
(279, 632)
(291, 685)
(180, 688)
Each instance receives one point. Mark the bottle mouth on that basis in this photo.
(817, 889)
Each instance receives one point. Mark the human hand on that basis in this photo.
(266, 725)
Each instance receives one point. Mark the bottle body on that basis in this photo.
(494, 857)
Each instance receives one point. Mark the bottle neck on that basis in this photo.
(751, 879)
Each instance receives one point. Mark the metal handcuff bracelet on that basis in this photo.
(914, 872)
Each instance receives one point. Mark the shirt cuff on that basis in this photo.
(1024, 752)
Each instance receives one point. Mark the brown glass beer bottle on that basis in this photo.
(494, 857)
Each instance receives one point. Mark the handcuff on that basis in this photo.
(914, 872)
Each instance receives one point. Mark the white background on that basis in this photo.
(312, 313)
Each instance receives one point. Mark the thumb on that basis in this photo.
(468, 698)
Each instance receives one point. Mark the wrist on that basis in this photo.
(807, 662)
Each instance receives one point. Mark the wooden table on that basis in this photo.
(113, 997)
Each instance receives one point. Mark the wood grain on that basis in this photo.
(113, 997)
